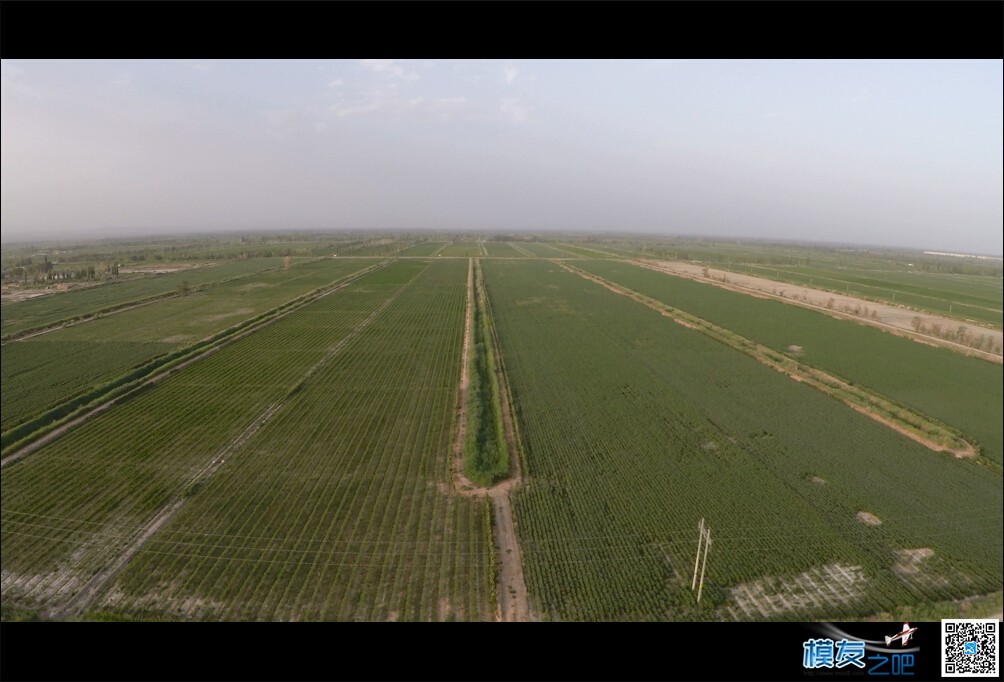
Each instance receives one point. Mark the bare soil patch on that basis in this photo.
(908, 561)
(829, 585)
(232, 313)
(13, 295)
(868, 518)
(164, 269)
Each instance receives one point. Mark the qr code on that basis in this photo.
(969, 648)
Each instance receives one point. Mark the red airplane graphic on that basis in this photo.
(904, 635)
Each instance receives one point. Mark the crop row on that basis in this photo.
(336, 508)
(634, 428)
(70, 507)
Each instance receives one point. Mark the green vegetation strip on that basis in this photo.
(922, 428)
(19, 441)
(486, 457)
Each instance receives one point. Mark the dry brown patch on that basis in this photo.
(868, 518)
(908, 560)
(223, 316)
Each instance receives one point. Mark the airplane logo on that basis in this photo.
(903, 636)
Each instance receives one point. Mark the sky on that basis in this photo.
(894, 153)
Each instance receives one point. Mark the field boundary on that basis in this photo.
(102, 398)
(919, 427)
(512, 602)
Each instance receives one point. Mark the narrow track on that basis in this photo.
(513, 603)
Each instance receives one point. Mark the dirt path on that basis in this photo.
(461, 483)
(513, 603)
(891, 318)
(814, 377)
(56, 433)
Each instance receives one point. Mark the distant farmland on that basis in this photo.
(278, 438)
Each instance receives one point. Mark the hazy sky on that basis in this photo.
(880, 152)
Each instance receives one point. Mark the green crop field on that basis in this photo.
(46, 370)
(466, 249)
(635, 428)
(586, 252)
(502, 250)
(329, 500)
(424, 249)
(302, 455)
(962, 391)
(547, 250)
(53, 308)
(965, 288)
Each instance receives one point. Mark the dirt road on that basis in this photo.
(889, 317)
(513, 603)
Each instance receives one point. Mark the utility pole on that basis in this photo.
(697, 560)
(703, 539)
(700, 585)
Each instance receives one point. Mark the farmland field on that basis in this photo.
(962, 391)
(466, 249)
(975, 298)
(424, 249)
(306, 467)
(547, 250)
(502, 250)
(50, 309)
(322, 430)
(45, 370)
(635, 428)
